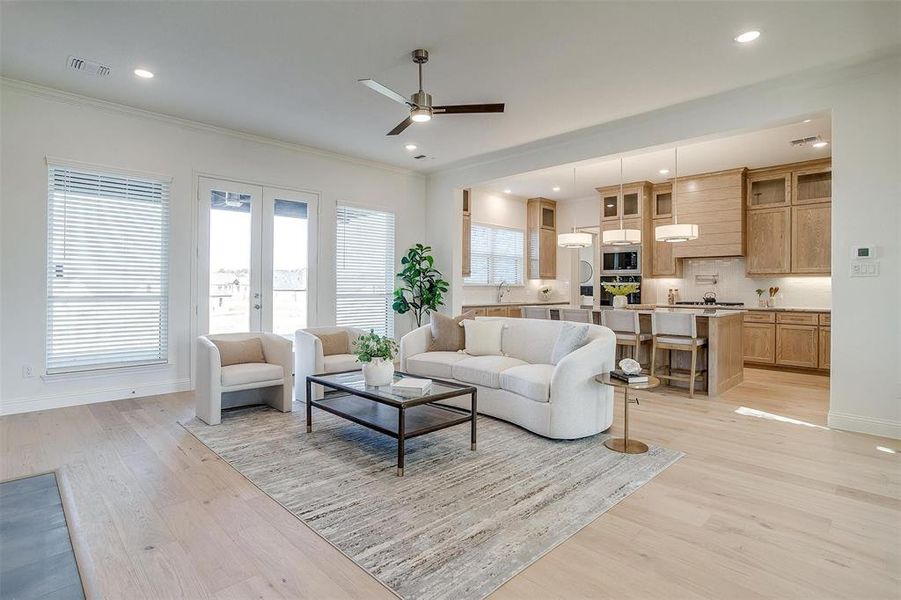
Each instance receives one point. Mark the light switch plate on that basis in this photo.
(864, 268)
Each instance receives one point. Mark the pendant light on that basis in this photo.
(575, 239)
(621, 236)
(677, 232)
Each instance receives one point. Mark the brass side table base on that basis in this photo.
(626, 446)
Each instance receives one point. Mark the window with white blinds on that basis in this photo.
(107, 270)
(496, 255)
(365, 270)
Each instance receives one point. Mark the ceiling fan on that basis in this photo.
(420, 103)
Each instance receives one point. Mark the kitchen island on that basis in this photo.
(724, 352)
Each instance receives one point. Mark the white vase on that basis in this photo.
(378, 372)
(620, 302)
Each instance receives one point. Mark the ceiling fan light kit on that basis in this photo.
(420, 103)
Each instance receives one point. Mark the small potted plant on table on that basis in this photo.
(377, 354)
(621, 292)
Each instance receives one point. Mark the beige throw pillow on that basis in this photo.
(239, 352)
(334, 343)
(483, 337)
(447, 333)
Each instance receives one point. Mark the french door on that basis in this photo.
(257, 257)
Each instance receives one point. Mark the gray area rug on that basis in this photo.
(459, 523)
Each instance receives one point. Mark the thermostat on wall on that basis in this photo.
(863, 252)
(863, 261)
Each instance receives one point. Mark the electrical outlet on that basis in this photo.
(27, 371)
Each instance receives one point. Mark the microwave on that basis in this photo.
(621, 260)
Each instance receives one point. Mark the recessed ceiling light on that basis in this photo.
(556, 188)
(806, 120)
(748, 36)
(820, 144)
(884, 449)
(506, 191)
(663, 171)
(410, 146)
(144, 73)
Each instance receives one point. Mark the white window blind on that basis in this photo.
(107, 270)
(496, 255)
(365, 270)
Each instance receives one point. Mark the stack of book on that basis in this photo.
(411, 387)
(623, 376)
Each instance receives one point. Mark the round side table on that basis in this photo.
(624, 444)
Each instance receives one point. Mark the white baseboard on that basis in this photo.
(871, 425)
(46, 402)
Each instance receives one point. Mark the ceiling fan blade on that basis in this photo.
(401, 126)
(469, 108)
(384, 91)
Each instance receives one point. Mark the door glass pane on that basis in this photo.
(289, 266)
(610, 206)
(630, 204)
(768, 191)
(230, 230)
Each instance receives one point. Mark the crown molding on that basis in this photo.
(58, 95)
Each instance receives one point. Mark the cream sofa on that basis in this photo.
(561, 401)
(310, 360)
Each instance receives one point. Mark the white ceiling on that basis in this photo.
(755, 149)
(288, 70)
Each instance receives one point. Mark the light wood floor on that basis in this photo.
(756, 509)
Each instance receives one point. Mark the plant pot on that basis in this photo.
(761, 303)
(620, 302)
(378, 372)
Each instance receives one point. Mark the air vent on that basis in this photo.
(806, 141)
(87, 66)
(419, 156)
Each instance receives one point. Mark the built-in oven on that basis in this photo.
(607, 297)
(621, 260)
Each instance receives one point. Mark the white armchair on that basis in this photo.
(259, 383)
(309, 358)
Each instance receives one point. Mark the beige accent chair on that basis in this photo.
(576, 315)
(625, 324)
(309, 358)
(677, 331)
(248, 383)
(536, 312)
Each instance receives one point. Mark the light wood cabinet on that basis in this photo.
(813, 184)
(797, 345)
(812, 238)
(663, 263)
(630, 203)
(768, 188)
(542, 238)
(769, 241)
(759, 343)
(825, 348)
(662, 200)
(494, 311)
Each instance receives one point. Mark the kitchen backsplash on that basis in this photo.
(482, 294)
(733, 285)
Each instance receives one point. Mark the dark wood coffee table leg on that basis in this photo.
(309, 406)
(400, 442)
(472, 445)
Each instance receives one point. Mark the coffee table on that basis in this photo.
(400, 417)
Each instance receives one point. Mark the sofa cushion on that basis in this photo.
(334, 343)
(484, 370)
(250, 373)
(340, 362)
(447, 332)
(531, 340)
(236, 352)
(483, 337)
(531, 381)
(434, 364)
(571, 337)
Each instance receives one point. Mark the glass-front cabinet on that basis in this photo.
(812, 185)
(662, 201)
(628, 204)
(768, 189)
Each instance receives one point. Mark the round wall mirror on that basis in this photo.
(585, 271)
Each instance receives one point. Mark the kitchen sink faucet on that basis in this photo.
(502, 288)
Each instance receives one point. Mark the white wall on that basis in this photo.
(37, 122)
(506, 210)
(864, 100)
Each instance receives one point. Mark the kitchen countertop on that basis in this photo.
(538, 303)
(754, 308)
(699, 311)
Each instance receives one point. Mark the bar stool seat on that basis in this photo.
(629, 338)
(677, 331)
(627, 327)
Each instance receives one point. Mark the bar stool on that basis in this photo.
(625, 324)
(536, 312)
(576, 315)
(677, 331)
